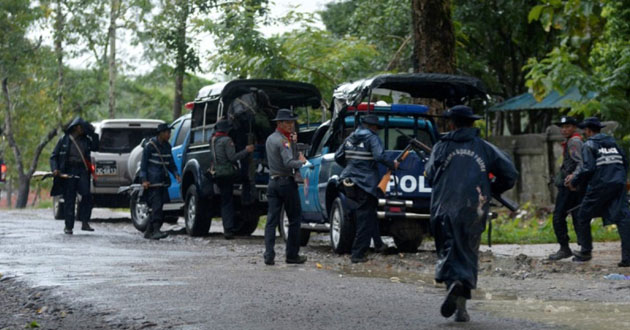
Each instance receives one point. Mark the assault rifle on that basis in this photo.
(138, 187)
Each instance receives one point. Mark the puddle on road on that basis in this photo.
(505, 303)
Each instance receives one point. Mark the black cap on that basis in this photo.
(370, 120)
(591, 122)
(566, 120)
(461, 111)
(163, 127)
(285, 115)
(223, 125)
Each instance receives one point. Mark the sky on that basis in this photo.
(134, 64)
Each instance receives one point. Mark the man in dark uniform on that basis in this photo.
(157, 161)
(566, 199)
(458, 171)
(360, 154)
(224, 153)
(604, 172)
(283, 160)
(71, 169)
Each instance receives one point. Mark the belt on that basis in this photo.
(281, 177)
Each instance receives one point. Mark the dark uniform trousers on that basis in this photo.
(155, 199)
(73, 186)
(595, 203)
(226, 188)
(565, 200)
(366, 223)
(282, 191)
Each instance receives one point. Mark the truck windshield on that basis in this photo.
(123, 140)
(390, 135)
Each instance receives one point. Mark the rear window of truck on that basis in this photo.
(123, 140)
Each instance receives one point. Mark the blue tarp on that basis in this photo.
(554, 100)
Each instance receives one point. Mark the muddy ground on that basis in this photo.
(112, 278)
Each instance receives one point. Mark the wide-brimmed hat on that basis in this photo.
(285, 115)
(370, 120)
(223, 125)
(591, 122)
(566, 120)
(461, 111)
(163, 127)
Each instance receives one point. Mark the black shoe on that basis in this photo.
(563, 253)
(228, 235)
(296, 260)
(86, 227)
(450, 302)
(67, 231)
(623, 264)
(381, 249)
(358, 260)
(159, 235)
(269, 262)
(582, 256)
(461, 315)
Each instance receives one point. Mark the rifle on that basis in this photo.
(43, 175)
(138, 187)
(385, 180)
(416, 144)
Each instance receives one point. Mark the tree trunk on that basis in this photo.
(180, 61)
(58, 35)
(114, 4)
(434, 40)
(23, 191)
(10, 193)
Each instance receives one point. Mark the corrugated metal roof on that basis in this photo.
(554, 100)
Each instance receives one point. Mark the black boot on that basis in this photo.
(563, 253)
(148, 232)
(461, 315)
(157, 233)
(582, 256)
(86, 227)
(450, 302)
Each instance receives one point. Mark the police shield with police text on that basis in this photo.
(458, 171)
(566, 199)
(604, 173)
(282, 193)
(157, 162)
(71, 167)
(359, 155)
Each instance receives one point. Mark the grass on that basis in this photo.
(528, 227)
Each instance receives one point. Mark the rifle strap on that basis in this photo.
(489, 231)
(76, 145)
(159, 155)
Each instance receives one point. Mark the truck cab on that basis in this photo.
(404, 208)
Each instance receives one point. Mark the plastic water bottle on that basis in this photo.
(617, 277)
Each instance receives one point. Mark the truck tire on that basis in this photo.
(196, 213)
(57, 208)
(283, 228)
(407, 234)
(248, 223)
(342, 228)
(139, 211)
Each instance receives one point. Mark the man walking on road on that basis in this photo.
(567, 200)
(360, 154)
(458, 171)
(224, 154)
(283, 160)
(157, 162)
(71, 169)
(604, 172)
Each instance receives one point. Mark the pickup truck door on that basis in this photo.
(310, 189)
(179, 141)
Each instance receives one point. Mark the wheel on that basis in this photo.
(196, 214)
(57, 208)
(139, 211)
(408, 234)
(247, 222)
(341, 228)
(283, 228)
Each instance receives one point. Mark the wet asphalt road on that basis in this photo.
(209, 283)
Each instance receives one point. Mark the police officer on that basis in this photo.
(566, 199)
(458, 171)
(224, 153)
(283, 160)
(604, 173)
(360, 154)
(157, 161)
(71, 169)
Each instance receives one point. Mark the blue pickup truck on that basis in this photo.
(403, 211)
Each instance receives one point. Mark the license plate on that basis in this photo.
(106, 169)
